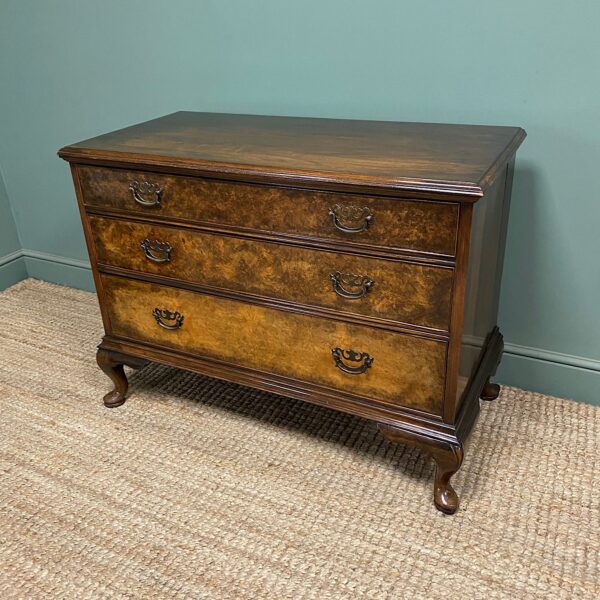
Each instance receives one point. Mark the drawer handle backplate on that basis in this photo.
(339, 356)
(157, 251)
(146, 193)
(167, 319)
(359, 284)
(351, 219)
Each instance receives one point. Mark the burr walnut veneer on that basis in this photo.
(353, 264)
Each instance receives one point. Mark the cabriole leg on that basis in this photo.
(112, 365)
(447, 462)
(448, 458)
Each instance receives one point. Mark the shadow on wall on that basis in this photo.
(521, 290)
(543, 296)
(547, 270)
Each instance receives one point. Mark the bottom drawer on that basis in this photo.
(395, 368)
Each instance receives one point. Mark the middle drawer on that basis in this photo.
(398, 291)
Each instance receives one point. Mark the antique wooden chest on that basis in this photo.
(354, 264)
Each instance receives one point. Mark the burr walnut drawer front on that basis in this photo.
(393, 368)
(392, 223)
(393, 290)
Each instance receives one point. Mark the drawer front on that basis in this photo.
(405, 370)
(409, 225)
(393, 290)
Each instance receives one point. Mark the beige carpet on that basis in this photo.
(202, 489)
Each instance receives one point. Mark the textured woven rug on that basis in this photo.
(197, 488)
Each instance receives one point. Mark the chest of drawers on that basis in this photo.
(353, 264)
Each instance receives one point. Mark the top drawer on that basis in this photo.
(390, 223)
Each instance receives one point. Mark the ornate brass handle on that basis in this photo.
(156, 251)
(167, 319)
(363, 358)
(142, 190)
(341, 281)
(344, 213)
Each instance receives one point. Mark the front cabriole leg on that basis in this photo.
(112, 364)
(113, 367)
(448, 457)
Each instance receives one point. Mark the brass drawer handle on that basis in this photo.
(167, 319)
(141, 191)
(340, 355)
(342, 281)
(342, 213)
(157, 251)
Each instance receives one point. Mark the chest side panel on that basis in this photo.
(486, 258)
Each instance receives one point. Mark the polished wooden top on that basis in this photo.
(445, 159)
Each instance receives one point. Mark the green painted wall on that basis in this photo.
(12, 264)
(73, 69)
(9, 241)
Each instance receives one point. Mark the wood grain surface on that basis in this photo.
(401, 291)
(406, 370)
(428, 227)
(458, 158)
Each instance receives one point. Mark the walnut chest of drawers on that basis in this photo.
(353, 264)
